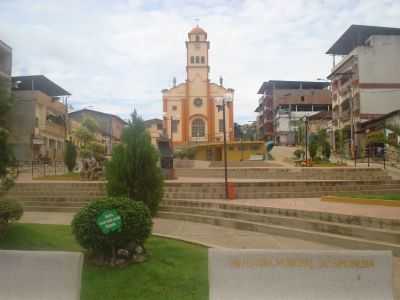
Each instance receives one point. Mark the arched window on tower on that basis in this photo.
(197, 59)
(203, 60)
(197, 38)
(192, 59)
(198, 128)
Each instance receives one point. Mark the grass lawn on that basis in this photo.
(66, 176)
(373, 197)
(174, 270)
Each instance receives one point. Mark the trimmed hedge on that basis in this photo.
(136, 226)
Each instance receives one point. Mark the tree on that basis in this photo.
(85, 135)
(133, 170)
(6, 155)
(313, 147)
(70, 156)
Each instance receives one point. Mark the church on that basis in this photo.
(192, 110)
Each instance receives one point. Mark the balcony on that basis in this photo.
(53, 129)
(5, 60)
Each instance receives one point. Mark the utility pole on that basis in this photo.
(225, 152)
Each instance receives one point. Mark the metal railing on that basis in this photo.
(38, 168)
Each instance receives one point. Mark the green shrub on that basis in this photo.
(326, 150)
(313, 148)
(299, 153)
(136, 226)
(10, 210)
(70, 156)
(133, 170)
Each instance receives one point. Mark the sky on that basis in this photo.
(116, 56)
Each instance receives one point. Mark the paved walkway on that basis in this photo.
(315, 204)
(214, 236)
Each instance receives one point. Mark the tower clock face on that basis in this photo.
(198, 102)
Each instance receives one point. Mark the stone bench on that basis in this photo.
(40, 275)
(299, 275)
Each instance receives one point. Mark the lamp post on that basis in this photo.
(306, 136)
(226, 98)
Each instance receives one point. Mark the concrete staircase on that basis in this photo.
(337, 173)
(352, 232)
(70, 196)
(279, 189)
(56, 196)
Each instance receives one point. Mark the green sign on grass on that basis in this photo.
(109, 221)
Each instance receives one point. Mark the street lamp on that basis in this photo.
(225, 99)
(306, 137)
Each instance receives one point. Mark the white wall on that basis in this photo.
(380, 62)
(379, 101)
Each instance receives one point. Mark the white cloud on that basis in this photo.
(118, 55)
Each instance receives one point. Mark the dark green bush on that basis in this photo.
(136, 226)
(10, 210)
(299, 153)
(133, 170)
(70, 156)
(313, 148)
(326, 150)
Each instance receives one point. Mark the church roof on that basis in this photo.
(197, 30)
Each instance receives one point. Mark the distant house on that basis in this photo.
(155, 129)
(379, 130)
(110, 126)
(37, 121)
(284, 103)
(321, 120)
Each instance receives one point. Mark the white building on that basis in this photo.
(5, 61)
(366, 81)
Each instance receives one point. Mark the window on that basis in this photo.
(175, 124)
(198, 102)
(197, 59)
(197, 38)
(302, 98)
(203, 60)
(192, 59)
(159, 126)
(174, 107)
(221, 125)
(198, 128)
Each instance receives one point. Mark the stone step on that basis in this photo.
(379, 223)
(286, 188)
(54, 203)
(269, 195)
(52, 209)
(321, 237)
(368, 233)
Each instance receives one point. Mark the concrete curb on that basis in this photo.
(190, 241)
(360, 201)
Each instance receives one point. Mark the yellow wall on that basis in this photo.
(234, 151)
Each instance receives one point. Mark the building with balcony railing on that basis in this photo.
(366, 81)
(284, 104)
(38, 119)
(5, 62)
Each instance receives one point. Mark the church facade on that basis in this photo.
(192, 110)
